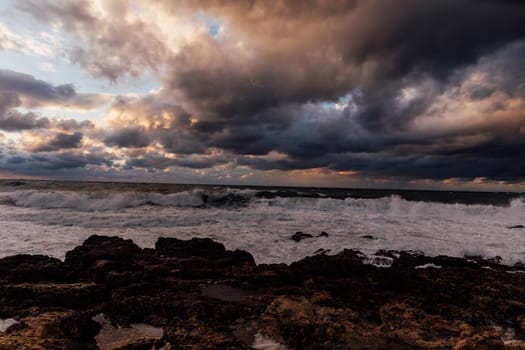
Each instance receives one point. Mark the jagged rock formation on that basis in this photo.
(197, 295)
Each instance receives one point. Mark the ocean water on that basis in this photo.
(39, 217)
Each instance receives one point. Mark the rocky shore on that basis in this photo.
(111, 294)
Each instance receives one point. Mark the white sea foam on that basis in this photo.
(53, 222)
(378, 261)
(427, 266)
(6, 323)
(100, 201)
(263, 342)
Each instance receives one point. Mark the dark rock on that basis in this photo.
(416, 327)
(299, 236)
(516, 226)
(323, 234)
(204, 248)
(206, 297)
(99, 254)
(52, 330)
(369, 237)
(519, 265)
(321, 251)
(51, 294)
(33, 268)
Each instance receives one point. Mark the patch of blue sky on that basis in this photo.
(212, 23)
(342, 103)
(142, 85)
(58, 72)
(4, 4)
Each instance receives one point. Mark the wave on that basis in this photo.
(396, 206)
(393, 205)
(101, 201)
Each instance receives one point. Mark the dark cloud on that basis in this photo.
(128, 137)
(23, 90)
(155, 161)
(428, 89)
(33, 92)
(319, 50)
(13, 120)
(72, 162)
(60, 141)
(26, 84)
(72, 124)
(16, 121)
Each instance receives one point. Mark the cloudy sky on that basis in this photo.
(359, 93)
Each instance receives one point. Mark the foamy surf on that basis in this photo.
(100, 201)
(41, 221)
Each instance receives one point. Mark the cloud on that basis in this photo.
(417, 90)
(129, 137)
(32, 92)
(319, 50)
(118, 46)
(23, 90)
(16, 121)
(10, 41)
(56, 142)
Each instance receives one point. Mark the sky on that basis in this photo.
(355, 93)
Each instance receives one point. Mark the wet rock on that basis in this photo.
(300, 323)
(204, 248)
(99, 254)
(47, 294)
(519, 265)
(369, 237)
(299, 236)
(51, 330)
(33, 268)
(418, 328)
(521, 322)
(205, 297)
(226, 293)
(321, 251)
(195, 335)
(514, 345)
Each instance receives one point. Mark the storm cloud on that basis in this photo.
(32, 92)
(416, 90)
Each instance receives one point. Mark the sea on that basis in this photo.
(52, 217)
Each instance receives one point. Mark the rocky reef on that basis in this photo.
(111, 294)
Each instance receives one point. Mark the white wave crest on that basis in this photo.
(262, 342)
(397, 206)
(101, 201)
(262, 226)
(392, 206)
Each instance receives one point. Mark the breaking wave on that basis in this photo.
(203, 198)
(52, 221)
(396, 206)
(101, 201)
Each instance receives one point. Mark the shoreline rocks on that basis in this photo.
(299, 236)
(203, 296)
